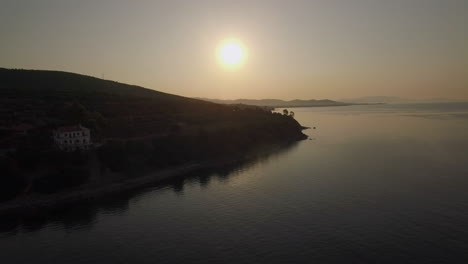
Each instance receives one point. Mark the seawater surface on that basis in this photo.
(373, 184)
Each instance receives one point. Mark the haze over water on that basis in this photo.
(374, 184)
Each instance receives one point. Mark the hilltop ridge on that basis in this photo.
(37, 97)
(135, 131)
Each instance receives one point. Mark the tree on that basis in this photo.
(75, 113)
(285, 112)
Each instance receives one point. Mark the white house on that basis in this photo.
(71, 138)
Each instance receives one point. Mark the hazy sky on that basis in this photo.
(296, 49)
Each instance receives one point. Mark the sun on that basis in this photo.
(231, 53)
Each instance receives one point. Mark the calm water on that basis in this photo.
(375, 184)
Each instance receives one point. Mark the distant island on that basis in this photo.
(276, 103)
(394, 100)
(365, 100)
(132, 136)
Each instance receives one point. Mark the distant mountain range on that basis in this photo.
(279, 103)
(326, 102)
(393, 100)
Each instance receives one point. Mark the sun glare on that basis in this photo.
(231, 53)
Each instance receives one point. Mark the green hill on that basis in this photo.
(137, 130)
(39, 97)
(44, 100)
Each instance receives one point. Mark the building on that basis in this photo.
(71, 138)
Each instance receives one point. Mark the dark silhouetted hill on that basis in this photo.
(137, 130)
(42, 97)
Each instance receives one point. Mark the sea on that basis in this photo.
(373, 184)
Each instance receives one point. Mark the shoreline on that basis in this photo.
(39, 202)
(36, 203)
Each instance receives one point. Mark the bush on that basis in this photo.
(11, 183)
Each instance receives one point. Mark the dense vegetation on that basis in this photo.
(137, 129)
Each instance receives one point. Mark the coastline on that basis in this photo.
(43, 202)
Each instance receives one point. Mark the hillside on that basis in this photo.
(39, 97)
(134, 131)
(33, 96)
